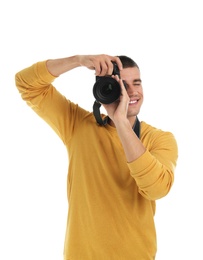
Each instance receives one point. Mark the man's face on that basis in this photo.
(132, 80)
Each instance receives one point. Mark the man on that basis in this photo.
(115, 175)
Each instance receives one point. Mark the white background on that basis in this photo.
(165, 39)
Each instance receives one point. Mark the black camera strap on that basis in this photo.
(97, 115)
(100, 121)
(136, 127)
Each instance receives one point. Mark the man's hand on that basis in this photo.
(117, 110)
(102, 64)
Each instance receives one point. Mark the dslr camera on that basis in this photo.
(106, 90)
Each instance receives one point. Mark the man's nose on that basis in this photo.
(131, 90)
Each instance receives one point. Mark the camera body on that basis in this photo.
(106, 90)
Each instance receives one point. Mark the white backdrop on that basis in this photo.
(165, 39)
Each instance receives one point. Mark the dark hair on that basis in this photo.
(127, 62)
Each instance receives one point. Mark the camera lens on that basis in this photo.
(106, 90)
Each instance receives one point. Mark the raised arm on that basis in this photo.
(102, 64)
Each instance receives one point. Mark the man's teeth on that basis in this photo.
(133, 102)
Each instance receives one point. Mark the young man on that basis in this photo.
(115, 173)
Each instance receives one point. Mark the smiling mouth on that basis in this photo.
(133, 102)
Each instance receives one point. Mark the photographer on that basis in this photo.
(112, 195)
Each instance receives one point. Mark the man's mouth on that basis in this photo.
(133, 102)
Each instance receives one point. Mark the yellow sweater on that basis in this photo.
(111, 202)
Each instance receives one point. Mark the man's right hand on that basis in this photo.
(102, 64)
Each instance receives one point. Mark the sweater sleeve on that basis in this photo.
(154, 170)
(35, 86)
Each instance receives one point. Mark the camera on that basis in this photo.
(106, 90)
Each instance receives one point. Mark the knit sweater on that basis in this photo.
(111, 202)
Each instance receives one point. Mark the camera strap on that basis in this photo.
(97, 115)
(136, 127)
(100, 121)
